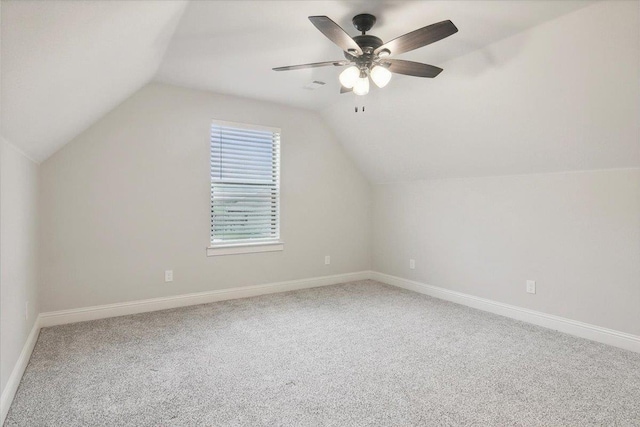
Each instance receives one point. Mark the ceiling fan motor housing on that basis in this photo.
(368, 41)
(368, 44)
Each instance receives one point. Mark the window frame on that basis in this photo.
(241, 246)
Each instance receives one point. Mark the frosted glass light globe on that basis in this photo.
(349, 77)
(380, 76)
(362, 86)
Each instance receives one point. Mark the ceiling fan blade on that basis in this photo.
(345, 89)
(411, 68)
(312, 65)
(418, 38)
(336, 34)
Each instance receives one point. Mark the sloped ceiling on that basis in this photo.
(562, 96)
(231, 46)
(67, 63)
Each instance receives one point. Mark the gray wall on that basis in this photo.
(129, 198)
(18, 254)
(558, 97)
(577, 234)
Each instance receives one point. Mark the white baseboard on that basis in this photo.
(16, 375)
(133, 307)
(572, 327)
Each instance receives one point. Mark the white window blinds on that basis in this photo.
(245, 183)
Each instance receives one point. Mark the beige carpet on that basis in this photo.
(356, 354)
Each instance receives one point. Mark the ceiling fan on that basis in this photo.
(368, 57)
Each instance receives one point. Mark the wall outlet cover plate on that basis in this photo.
(531, 286)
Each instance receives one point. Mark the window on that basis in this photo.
(245, 189)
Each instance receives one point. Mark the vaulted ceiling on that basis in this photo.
(65, 64)
(231, 46)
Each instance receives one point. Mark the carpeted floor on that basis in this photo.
(356, 354)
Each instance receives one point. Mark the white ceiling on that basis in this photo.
(557, 98)
(562, 96)
(231, 46)
(66, 64)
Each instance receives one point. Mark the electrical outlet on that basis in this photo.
(412, 264)
(327, 260)
(26, 310)
(168, 275)
(531, 286)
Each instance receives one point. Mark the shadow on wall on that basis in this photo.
(486, 58)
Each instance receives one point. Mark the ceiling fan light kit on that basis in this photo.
(362, 85)
(368, 56)
(380, 76)
(349, 76)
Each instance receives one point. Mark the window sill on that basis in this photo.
(244, 248)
